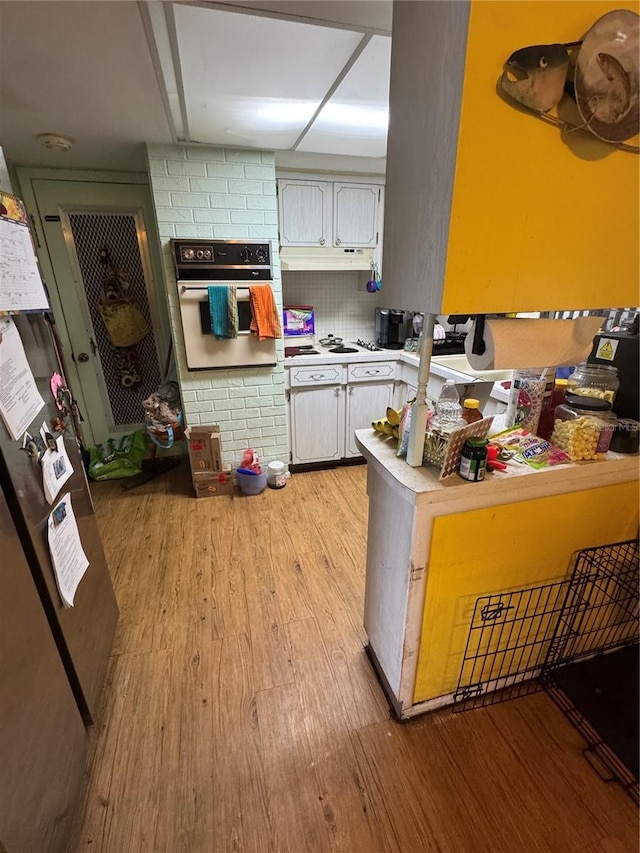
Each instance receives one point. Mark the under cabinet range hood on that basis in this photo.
(311, 259)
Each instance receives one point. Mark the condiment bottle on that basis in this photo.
(471, 410)
(545, 427)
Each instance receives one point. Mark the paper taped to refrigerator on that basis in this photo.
(20, 400)
(21, 287)
(56, 470)
(67, 555)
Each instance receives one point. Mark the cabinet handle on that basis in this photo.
(372, 372)
(336, 390)
(351, 389)
(321, 241)
(338, 241)
(317, 376)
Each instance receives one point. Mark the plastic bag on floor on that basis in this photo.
(118, 458)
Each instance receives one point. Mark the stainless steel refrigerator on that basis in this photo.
(52, 659)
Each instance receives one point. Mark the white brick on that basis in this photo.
(244, 434)
(268, 157)
(259, 173)
(165, 152)
(265, 390)
(205, 152)
(258, 402)
(165, 229)
(171, 184)
(194, 230)
(200, 406)
(222, 416)
(231, 232)
(269, 411)
(207, 185)
(231, 380)
(171, 214)
(190, 199)
(213, 394)
(238, 155)
(228, 405)
(225, 170)
(193, 419)
(157, 167)
(269, 441)
(272, 430)
(281, 420)
(270, 217)
(217, 216)
(262, 203)
(195, 384)
(247, 217)
(278, 378)
(258, 379)
(237, 393)
(186, 167)
(246, 187)
(262, 231)
(162, 199)
(269, 188)
(189, 396)
(228, 202)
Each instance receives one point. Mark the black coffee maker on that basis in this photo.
(392, 328)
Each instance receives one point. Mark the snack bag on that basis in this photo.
(528, 448)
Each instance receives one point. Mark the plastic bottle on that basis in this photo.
(448, 408)
(471, 410)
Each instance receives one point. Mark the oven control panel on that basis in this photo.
(226, 254)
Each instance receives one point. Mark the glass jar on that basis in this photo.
(594, 380)
(473, 459)
(583, 427)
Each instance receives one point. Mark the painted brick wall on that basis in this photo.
(202, 191)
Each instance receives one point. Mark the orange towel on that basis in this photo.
(265, 320)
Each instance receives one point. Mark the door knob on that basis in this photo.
(83, 356)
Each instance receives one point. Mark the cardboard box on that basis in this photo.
(210, 476)
(205, 449)
(208, 486)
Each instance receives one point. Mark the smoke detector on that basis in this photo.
(56, 142)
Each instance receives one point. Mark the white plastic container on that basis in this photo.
(277, 475)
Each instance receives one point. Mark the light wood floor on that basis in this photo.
(241, 713)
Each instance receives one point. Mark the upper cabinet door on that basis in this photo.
(305, 213)
(355, 214)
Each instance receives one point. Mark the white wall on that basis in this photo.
(205, 191)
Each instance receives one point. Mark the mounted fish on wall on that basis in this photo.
(599, 75)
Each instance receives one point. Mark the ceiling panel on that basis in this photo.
(80, 69)
(355, 120)
(255, 81)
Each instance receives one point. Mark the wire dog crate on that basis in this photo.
(554, 637)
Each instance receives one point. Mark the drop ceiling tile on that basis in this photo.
(355, 120)
(255, 81)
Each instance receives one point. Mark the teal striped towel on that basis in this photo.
(223, 311)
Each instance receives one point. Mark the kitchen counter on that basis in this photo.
(435, 547)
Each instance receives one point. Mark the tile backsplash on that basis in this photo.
(342, 305)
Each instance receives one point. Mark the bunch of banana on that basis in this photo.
(389, 425)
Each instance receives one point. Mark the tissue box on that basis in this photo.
(298, 320)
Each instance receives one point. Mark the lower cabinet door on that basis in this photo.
(366, 402)
(316, 424)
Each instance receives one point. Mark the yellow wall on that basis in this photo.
(534, 225)
(505, 548)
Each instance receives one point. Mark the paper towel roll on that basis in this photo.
(513, 343)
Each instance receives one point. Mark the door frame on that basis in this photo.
(26, 176)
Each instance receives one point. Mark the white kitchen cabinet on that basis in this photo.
(316, 424)
(305, 213)
(355, 214)
(329, 213)
(366, 402)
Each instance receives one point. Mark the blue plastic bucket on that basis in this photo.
(251, 484)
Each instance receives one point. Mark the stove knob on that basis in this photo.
(245, 254)
(188, 254)
(207, 254)
(261, 256)
(200, 254)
